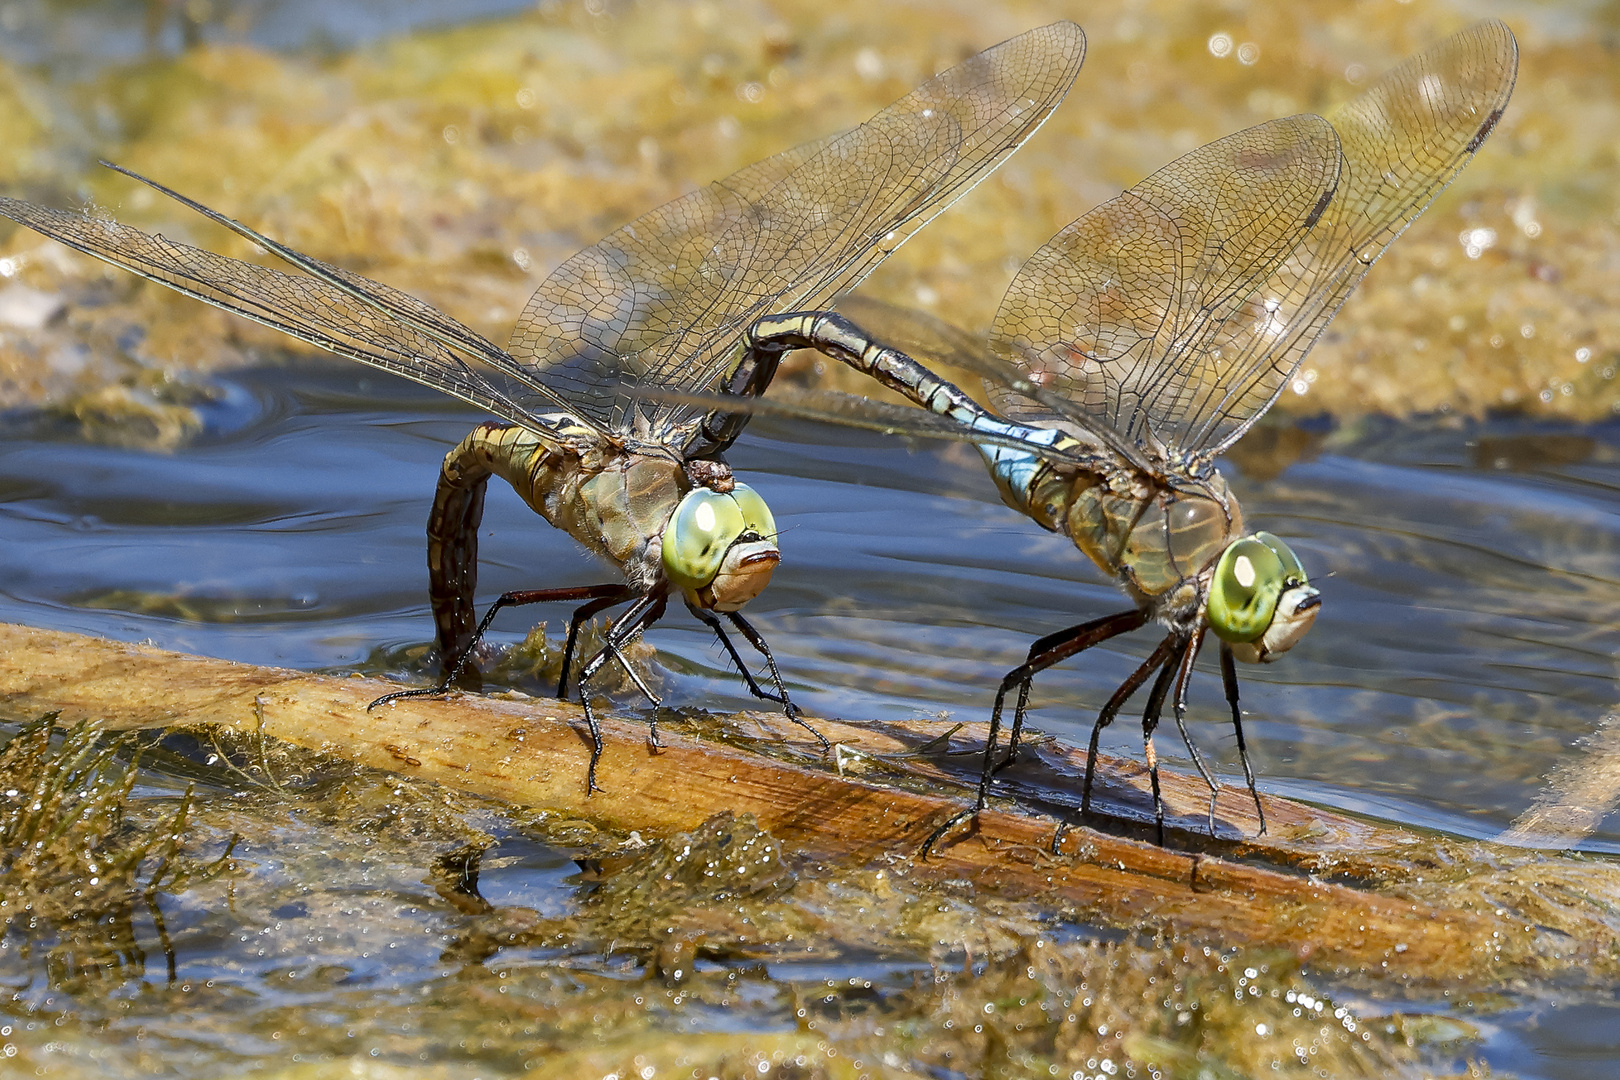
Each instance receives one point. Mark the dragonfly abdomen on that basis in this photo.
(452, 533)
(616, 504)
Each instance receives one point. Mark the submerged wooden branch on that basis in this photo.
(532, 752)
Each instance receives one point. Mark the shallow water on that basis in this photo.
(1465, 643)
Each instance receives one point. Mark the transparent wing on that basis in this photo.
(1404, 139)
(351, 316)
(1122, 312)
(1131, 347)
(664, 300)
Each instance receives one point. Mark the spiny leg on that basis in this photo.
(635, 676)
(1229, 681)
(754, 638)
(1111, 709)
(505, 600)
(712, 621)
(1046, 651)
(1049, 650)
(1150, 720)
(1179, 704)
(635, 619)
(618, 595)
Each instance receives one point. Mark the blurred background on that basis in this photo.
(461, 151)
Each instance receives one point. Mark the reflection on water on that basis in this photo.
(1580, 793)
(1465, 647)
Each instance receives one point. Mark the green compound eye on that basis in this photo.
(700, 532)
(1248, 580)
(1293, 570)
(756, 515)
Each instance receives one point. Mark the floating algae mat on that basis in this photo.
(384, 925)
(169, 474)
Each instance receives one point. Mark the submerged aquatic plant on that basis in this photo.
(719, 921)
(73, 863)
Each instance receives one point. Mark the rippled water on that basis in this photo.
(1465, 645)
(1469, 575)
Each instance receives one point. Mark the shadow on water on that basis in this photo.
(1468, 573)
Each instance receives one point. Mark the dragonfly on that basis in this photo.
(665, 300)
(1142, 341)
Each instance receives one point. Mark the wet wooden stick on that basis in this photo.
(532, 752)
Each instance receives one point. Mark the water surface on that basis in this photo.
(1465, 643)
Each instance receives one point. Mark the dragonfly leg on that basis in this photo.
(625, 629)
(1111, 709)
(1045, 652)
(611, 595)
(1179, 704)
(985, 773)
(1150, 720)
(970, 814)
(1229, 681)
(453, 670)
(754, 638)
(635, 676)
(1050, 650)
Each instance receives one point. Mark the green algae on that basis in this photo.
(636, 952)
(74, 864)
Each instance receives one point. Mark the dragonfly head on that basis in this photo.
(1260, 601)
(720, 547)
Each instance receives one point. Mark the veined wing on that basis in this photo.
(1198, 389)
(1118, 313)
(663, 301)
(350, 316)
(1405, 138)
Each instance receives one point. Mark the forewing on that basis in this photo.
(307, 308)
(1123, 311)
(1103, 314)
(1404, 139)
(664, 300)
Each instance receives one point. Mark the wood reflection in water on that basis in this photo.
(1580, 792)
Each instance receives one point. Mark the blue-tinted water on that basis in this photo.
(1465, 640)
